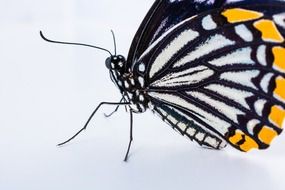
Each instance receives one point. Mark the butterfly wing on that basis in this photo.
(224, 72)
(183, 123)
(161, 17)
(164, 14)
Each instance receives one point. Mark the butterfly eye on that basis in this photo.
(119, 61)
(108, 63)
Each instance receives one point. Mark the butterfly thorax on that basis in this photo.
(129, 83)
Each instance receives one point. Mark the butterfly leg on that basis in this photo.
(131, 136)
(91, 116)
(116, 109)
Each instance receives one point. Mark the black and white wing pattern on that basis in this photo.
(218, 77)
(163, 15)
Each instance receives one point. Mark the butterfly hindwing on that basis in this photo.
(225, 70)
(183, 123)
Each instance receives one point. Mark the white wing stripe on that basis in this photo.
(163, 36)
(213, 43)
(240, 56)
(236, 95)
(187, 77)
(244, 33)
(174, 46)
(242, 77)
(228, 111)
(220, 125)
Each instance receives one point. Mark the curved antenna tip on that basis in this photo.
(43, 37)
(71, 43)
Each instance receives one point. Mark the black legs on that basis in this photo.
(91, 116)
(131, 136)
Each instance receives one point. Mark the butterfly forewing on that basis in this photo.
(222, 73)
(163, 15)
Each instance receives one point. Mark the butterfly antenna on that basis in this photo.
(114, 40)
(77, 44)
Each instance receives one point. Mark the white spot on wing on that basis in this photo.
(236, 95)
(208, 23)
(265, 81)
(259, 106)
(142, 67)
(186, 77)
(172, 119)
(261, 55)
(242, 77)
(174, 46)
(228, 111)
(191, 132)
(182, 126)
(212, 141)
(220, 125)
(280, 19)
(200, 126)
(213, 43)
(251, 125)
(240, 56)
(200, 136)
(244, 32)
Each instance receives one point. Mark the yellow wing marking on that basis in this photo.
(236, 138)
(248, 143)
(269, 31)
(280, 88)
(267, 134)
(279, 58)
(277, 115)
(236, 15)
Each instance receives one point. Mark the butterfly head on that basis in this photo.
(116, 62)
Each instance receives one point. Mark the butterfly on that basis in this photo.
(214, 70)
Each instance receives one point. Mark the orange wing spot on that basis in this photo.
(280, 88)
(269, 31)
(277, 115)
(240, 15)
(267, 134)
(236, 138)
(279, 58)
(248, 144)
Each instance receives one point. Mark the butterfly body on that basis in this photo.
(130, 84)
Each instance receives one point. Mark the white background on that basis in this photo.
(47, 92)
